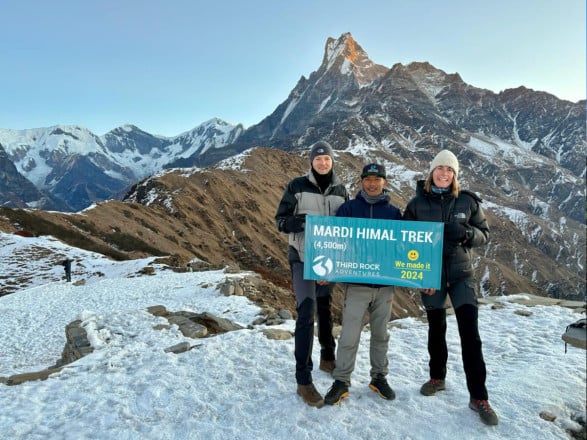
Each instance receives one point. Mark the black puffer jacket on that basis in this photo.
(466, 209)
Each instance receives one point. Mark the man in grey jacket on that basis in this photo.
(319, 192)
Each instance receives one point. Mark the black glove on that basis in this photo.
(294, 223)
(457, 232)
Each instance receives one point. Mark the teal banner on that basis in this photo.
(372, 251)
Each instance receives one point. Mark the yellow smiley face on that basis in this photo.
(413, 255)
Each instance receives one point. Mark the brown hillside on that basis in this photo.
(220, 216)
(225, 216)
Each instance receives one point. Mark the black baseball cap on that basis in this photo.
(373, 169)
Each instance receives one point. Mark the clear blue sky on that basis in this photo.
(169, 65)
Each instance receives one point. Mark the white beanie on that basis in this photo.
(447, 159)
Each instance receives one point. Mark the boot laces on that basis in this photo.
(484, 404)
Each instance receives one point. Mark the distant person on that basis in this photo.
(319, 192)
(67, 267)
(373, 202)
(440, 199)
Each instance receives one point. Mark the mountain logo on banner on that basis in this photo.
(322, 266)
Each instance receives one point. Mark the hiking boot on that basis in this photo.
(338, 391)
(381, 387)
(310, 395)
(327, 366)
(486, 414)
(432, 386)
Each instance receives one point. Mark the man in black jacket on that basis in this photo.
(319, 192)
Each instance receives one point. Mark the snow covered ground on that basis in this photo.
(240, 385)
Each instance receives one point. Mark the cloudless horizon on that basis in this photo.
(167, 67)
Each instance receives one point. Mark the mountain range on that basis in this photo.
(78, 168)
(522, 151)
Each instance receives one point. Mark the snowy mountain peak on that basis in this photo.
(216, 122)
(345, 45)
(126, 128)
(429, 79)
(58, 159)
(35, 151)
(423, 71)
(345, 56)
(69, 138)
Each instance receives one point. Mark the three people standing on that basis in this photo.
(439, 198)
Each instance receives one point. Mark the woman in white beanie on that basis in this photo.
(440, 199)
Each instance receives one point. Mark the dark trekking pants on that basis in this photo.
(463, 297)
(323, 303)
(310, 298)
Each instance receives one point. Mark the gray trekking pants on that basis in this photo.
(357, 300)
